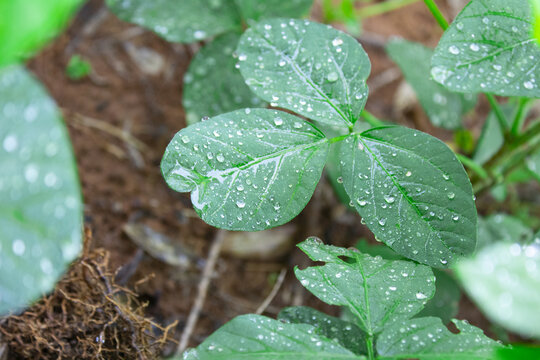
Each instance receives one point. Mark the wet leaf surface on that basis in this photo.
(247, 170)
(41, 209)
(412, 193)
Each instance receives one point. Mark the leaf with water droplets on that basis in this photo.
(345, 333)
(504, 281)
(445, 302)
(444, 108)
(428, 339)
(249, 169)
(412, 193)
(182, 21)
(309, 68)
(257, 9)
(255, 337)
(28, 25)
(210, 78)
(490, 48)
(41, 211)
(384, 291)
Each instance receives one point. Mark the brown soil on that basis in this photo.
(121, 178)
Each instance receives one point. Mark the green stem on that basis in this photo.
(370, 350)
(473, 165)
(371, 119)
(517, 124)
(382, 7)
(436, 13)
(498, 113)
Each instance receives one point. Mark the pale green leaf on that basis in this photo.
(504, 281)
(428, 339)
(212, 84)
(492, 139)
(41, 210)
(309, 68)
(257, 9)
(377, 291)
(183, 21)
(412, 193)
(444, 108)
(490, 48)
(533, 164)
(248, 170)
(255, 337)
(345, 333)
(502, 228)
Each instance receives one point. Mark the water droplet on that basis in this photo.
(474, 47)
(332, 77)
(382, 221)
(389, 199)
(278, 121)
(199, 34)
(18, 247)
(220, 158)
(10, 143)
(240, 187)
(185, 139)
(337, 42)
(282, 63)
(455, 217)
(421, 296)
(340, 180)
(408, 173)
(451, 195)
(453, 50)
(242, 57)
(241, 204)
(216, 133)
(529, 85)
(443, 261)
(446, 177)
(361, 202)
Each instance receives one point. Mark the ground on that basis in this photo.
(120, 120)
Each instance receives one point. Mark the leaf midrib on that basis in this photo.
(305, 78)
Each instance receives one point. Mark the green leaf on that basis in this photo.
(502, 228)
(255, 337)
(443, 107)
(518, 352)
(345, 333)
(78, 68)
(28, 25)
(182, 21)
(257, 9)
(306, 67)
(428, 339)
(533, 164)
(489, 48)
(536, 22)
(492, 139)
(412, 193)
(41, 211)
(384, 291)
(445, 303)
(212, 85)
(248, 170)
(504, 281)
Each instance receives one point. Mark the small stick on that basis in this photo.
(273, 293)
(201, 291)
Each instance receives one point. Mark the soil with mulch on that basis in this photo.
(118, 302)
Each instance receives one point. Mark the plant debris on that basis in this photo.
(88, 316)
